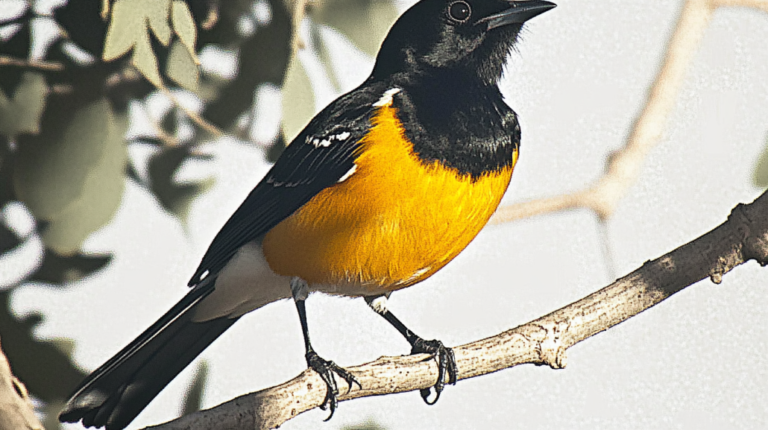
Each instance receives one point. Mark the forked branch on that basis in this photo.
(743, 237)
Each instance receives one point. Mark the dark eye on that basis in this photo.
(459, 11)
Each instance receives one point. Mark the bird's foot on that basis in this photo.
(446, 364)
(326, 369)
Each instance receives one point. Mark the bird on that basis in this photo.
(382, 188)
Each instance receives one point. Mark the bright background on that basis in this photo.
(579, 80)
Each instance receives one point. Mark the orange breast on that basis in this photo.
(393, 223)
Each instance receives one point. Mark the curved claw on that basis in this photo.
(326, 369)
(446, 364)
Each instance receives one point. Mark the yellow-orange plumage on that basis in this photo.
(394, 222)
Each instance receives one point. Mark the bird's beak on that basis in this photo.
(518, 13)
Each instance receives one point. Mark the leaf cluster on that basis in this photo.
(67, 113)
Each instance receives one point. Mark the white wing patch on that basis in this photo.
(326, 141)
(348, 174)
(386, 98)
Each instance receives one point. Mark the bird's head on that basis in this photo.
(469, 37)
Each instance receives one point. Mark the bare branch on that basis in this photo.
(48, 66)
(744, 236)
(192, 115)
(624, 166)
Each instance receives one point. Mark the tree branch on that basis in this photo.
(48, 66)
(16, 410)
(624, 166)
(743, 237)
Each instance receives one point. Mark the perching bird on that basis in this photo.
(382, 189)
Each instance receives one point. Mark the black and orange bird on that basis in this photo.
(382, 189)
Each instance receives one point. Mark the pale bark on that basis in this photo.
(743, 237)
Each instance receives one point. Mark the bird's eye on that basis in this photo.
(459, 11)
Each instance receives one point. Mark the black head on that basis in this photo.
(469, 37)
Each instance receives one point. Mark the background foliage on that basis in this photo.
(74, 74)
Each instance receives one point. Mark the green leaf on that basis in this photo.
(157, 12)
(58, 269)
(144, 60)
(51, 168)
(174, 197)
(364, 22)
(193, 400)
(298, 100)
(184, 26)
(760, 176)
(21, 114)
(181, 67)
(129, 27)
(73, 175)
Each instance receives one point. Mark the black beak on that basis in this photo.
(518, 13)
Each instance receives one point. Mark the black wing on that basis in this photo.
(317, 158)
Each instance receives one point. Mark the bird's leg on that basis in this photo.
(324, 368)
(446, 361)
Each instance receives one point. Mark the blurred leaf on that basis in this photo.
(7, 192)
(129, 28)
(367, 425)
(760, 176)
(51, 168)
(50, 411)
(83, 24)
(194, 398)
(263, 58)
(224, 31)
(72, 174)
(48, 372)
(22, 113)
(131, 21)
(17, 46)
(174, 197)
(181, 67)
(298, 100)
(169, 124)
(8, 239)
(57, 269)
(184, 27)
(364, 22)
(98, 203)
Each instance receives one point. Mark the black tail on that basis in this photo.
(122, 387)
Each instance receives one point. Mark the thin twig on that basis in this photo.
(48, 66)
(625, 165)
(194, 116)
